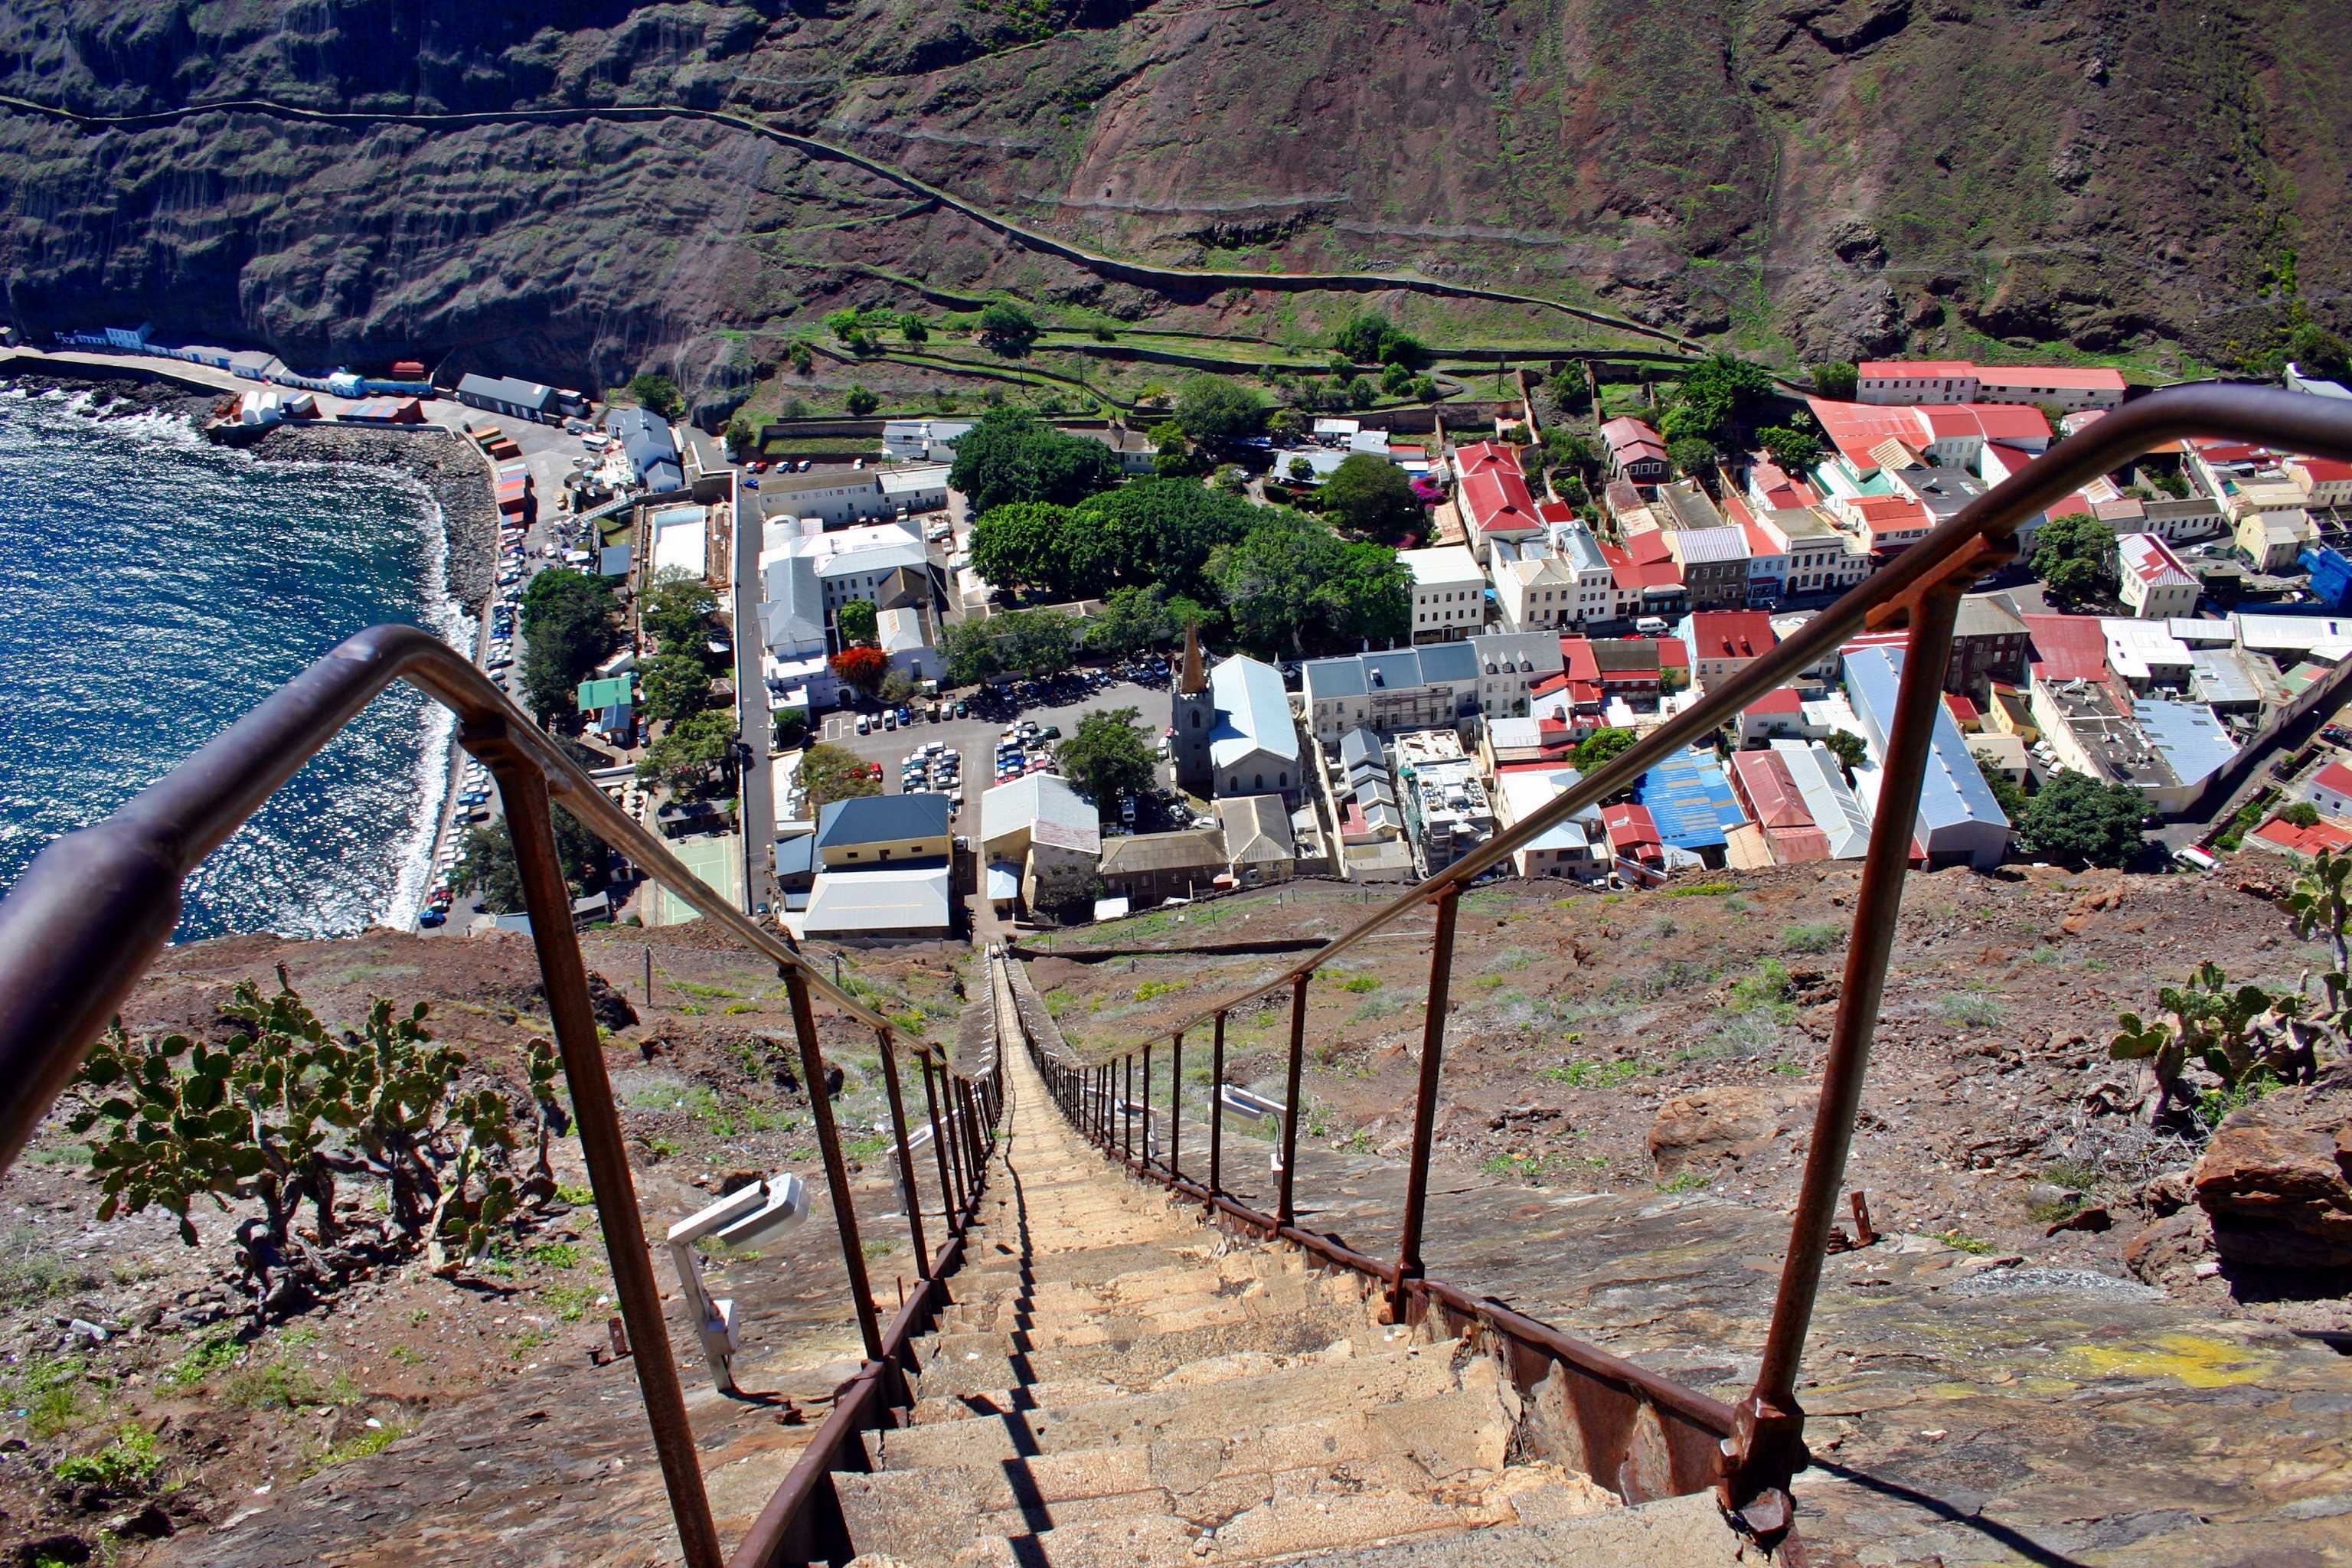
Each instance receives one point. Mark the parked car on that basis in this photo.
(864, 725)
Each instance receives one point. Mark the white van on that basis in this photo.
(1651, 627)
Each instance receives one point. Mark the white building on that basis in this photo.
(1254, 747)
(918, 486)
(1449, 593)
(1577, 847)
(834, 497)
(2157, 584)
(1558, 581)
(2065, 387)
(1436, 686)
(1959, 820)
(923, 440)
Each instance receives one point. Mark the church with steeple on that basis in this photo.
(1235, 732)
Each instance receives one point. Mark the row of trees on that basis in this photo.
(570, 626)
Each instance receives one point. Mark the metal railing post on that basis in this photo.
(546, 898)
(1147, 1105)
(951, 1201)
(1767, 1448)
(1127, 1107)
(975, 1157)
(1424, 1105)
(906, 1154)
(1175, 1101)
(837, 1169)
(1217, 1107)
(1285, 1211)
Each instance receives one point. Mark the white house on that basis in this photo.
(2156, 583)
(1254, 747)
(1449, 593)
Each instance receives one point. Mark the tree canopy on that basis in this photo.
(1031, 643)
(1368, 337)
(1836, 380)
(1372, 495)
(861, 669)
(1133, 619)
(673, 686)
(2076, 556)
(1010, 456)
(486, 865)
(1107, 754)
(656, 393)
(692, 756)
(1290, 584)
(1599, 749)
(1006, 330)
(1717, 393)
(567, 627)
(1216, 409)
(2083, 821)
(677, 610)
(1792, 450)
(835, 772)
(1847, 747)
(859, 622)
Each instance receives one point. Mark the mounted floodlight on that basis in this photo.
(748, 1217)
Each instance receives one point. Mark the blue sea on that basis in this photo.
(155, 588)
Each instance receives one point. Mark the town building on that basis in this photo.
(923, 440)
(515, 398)
(2064, 387)
(1636, 453)
(2156, 583)
(837, 497)
(1960, 822)
(1035, 826)
(652, 450)
(1235, 733)
(1449, 593)
(1260, 848)
(2270, 541)
(1724, 642)
(875, 829)
(1560, 581)
(1990, 646)
(1690, 805)
(1765, 787)
(2331, 791)
(1436, 686)
(1447, 810)
(1713, 563)
(1147, 868)
(2165, 750)
(885, 904)
(1496, 503)
(1577, 847)
(1820, 557)
(1813, 769)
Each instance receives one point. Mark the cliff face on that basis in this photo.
(1812, 177)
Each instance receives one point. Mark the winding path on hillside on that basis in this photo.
(1163, 279)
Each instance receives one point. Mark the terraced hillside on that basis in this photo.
(1804, 178)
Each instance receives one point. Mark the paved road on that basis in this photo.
(756, 798)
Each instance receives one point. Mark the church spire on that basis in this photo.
(1192, 683)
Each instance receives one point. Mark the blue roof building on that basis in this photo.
(1691, 802)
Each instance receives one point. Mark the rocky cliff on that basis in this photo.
(1805, 178)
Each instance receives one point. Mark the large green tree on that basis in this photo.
(1372, 495)
(1163, 530)
(859, 622)
(1794, 451)
(1368, 336)
(694, 756)
(657, 394)
(1133, 619)
(835, 772)
(2076, 556)
(1006, 330)
(1835, 380)
(567, 631)
(673, 686)
(677, 610)
(486, 865)
(1216, 409)
(1599, 749)
(2081, 821)
(1043, 545)
(1010, 456)
(1019, 642)
(1107, 754)
(1291, 585)
(1717, 393)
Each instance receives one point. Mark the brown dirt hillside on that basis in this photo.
(1806, 177)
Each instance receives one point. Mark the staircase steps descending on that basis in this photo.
(1122, 1386)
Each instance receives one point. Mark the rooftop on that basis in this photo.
(881, 819)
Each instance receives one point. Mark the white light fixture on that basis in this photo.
(747, 1218)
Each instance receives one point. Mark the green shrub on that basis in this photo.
(1810, 939)
(128, 1464)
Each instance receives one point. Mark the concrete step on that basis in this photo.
(1300, 1516)
(1087, 1388)
(982, 1363)
(1047, 1325)
(1356, 1386)
(1675, 1533)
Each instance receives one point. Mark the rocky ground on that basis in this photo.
(118, 1340)
(1671, 1041)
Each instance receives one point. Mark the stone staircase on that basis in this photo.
(1124, 1386)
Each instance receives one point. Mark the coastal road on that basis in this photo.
(756, 790)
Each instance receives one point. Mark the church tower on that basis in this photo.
(1194, 716)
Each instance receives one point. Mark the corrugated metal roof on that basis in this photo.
(1954, 790)
(2188, 735)
(1252, 712)
(881, 819)
(1690, 800)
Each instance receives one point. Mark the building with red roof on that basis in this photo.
(2283, 837)
(1856, 428)
(2066, 387)
(1771, 487)
(1496, 504)
(2155, 583)
(1766, 788)
(1636, 452)
(2331, 790)
(1486, 457)
(2323, 481)
(2067, 648)
(1887, 524)
(1634, 835)
(1724, 642)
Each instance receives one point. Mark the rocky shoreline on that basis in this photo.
(458, 480)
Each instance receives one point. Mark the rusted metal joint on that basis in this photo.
(1764, 1452)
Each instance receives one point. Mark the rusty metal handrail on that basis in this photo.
(1763, 1445)
(97, 905)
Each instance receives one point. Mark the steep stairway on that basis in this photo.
(1122, 1385)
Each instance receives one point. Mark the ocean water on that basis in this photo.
(155, 587)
